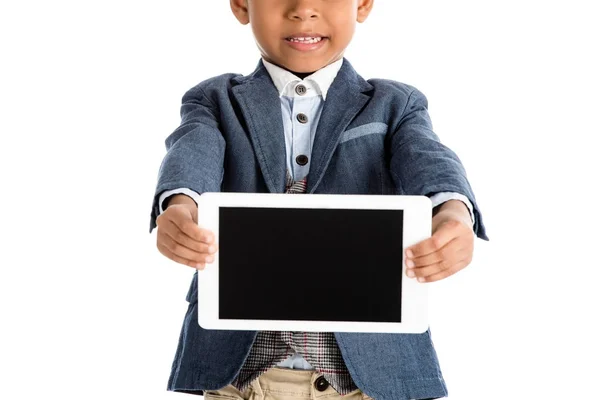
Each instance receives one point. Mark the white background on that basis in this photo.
(89, 90)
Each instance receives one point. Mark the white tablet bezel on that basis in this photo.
(417, 226)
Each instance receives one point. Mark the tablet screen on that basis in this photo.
(310, 264)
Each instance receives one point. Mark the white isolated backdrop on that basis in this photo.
(89, 90)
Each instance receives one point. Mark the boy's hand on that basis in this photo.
(181, 239)
(448, 250)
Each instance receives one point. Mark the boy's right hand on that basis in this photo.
(180, 238)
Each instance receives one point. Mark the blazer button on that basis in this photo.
(302, 118)
(321, 384)
(301, 90)
(302, 160)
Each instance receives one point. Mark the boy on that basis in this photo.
(305, 122)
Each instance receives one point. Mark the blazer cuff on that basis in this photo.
(164, 195)
(443, 197)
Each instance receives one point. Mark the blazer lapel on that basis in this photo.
(345, 98)
(261, 108)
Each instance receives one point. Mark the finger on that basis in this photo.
(446, 233)
(448, 252)
(445, 273)
(187, 225)
(200, 234)
(185, 252)
(185, 240)
(207, 236)
(422, 272)
(169, 254)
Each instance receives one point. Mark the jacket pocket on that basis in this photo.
(364, 130)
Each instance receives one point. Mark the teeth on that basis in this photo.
(306, 39)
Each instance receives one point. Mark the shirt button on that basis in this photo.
(302, 118)
(302, 160)
(321, 384)
(301, 90)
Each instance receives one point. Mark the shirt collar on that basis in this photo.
(316, 84)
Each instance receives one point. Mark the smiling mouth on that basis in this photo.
(306, 40)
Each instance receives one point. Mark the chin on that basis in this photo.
(306, 67)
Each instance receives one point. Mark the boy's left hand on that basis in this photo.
(448, 250)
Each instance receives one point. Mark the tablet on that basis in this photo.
(312, 262)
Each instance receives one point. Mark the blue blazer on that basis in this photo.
(373, 137)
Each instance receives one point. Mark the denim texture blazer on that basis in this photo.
(373, 137)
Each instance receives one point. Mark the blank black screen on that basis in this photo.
(310, 264)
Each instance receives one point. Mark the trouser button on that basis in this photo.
(321, 384)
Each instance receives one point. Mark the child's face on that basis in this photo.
(302, 35)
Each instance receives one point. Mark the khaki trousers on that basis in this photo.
(284, 384)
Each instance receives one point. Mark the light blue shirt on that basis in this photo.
(301, 97)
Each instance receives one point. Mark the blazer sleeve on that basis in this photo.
(195, 151)
(421, 165)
